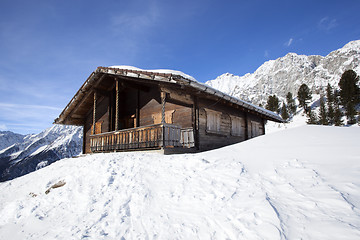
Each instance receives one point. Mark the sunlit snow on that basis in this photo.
(300, 183)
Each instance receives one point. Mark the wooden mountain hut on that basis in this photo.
(125, 108)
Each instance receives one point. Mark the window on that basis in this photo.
(237, 126)
(213, 119)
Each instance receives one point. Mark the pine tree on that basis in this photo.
(350, 113)
(337, 111)
(284, 112)
(322, 112)
(337, 117)
(329, 94)
(330, 104)
(304, 96)
(273, 104)
(312, 117)
(290, 103)
(349, 94)
(330, 113)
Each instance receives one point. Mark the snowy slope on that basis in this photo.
(287, 73)
(38, 150)
(301, 183)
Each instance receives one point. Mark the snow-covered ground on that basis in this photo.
(297, 121)
(300, 183)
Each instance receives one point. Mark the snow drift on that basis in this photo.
(301, 183)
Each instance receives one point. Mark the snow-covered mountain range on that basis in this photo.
(287, 73)
(21, 154)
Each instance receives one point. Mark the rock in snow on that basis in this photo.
(301, 183)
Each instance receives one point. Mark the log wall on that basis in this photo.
(250, 125)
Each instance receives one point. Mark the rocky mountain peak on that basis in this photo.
(287, 73)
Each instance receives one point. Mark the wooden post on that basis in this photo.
(110, 110)
(246, 126)
(84, 140)
(196, 122)
(137, 112)
(163, 101)
(94, 113)
(117, 105)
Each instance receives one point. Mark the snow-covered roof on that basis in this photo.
(165, 71)
(163, 75)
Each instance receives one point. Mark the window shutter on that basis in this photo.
(213, 119)
(237, 126)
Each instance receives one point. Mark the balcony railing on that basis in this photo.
(147, 137)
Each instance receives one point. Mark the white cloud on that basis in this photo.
(136, 22)
(289, 42)
(326, 24)
(24, 106)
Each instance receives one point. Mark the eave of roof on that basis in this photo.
(161, 76)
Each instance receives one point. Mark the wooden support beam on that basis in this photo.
(84, 141)
(94, 113)
(137, 111)
(110, 110)
(195, 118)
(163, 102)
(117, 89)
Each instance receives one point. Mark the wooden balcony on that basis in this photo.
(148, 137)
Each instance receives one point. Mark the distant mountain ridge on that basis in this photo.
(8, 138)
(22, 154)
(287, 73)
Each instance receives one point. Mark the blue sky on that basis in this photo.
(48, 48)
